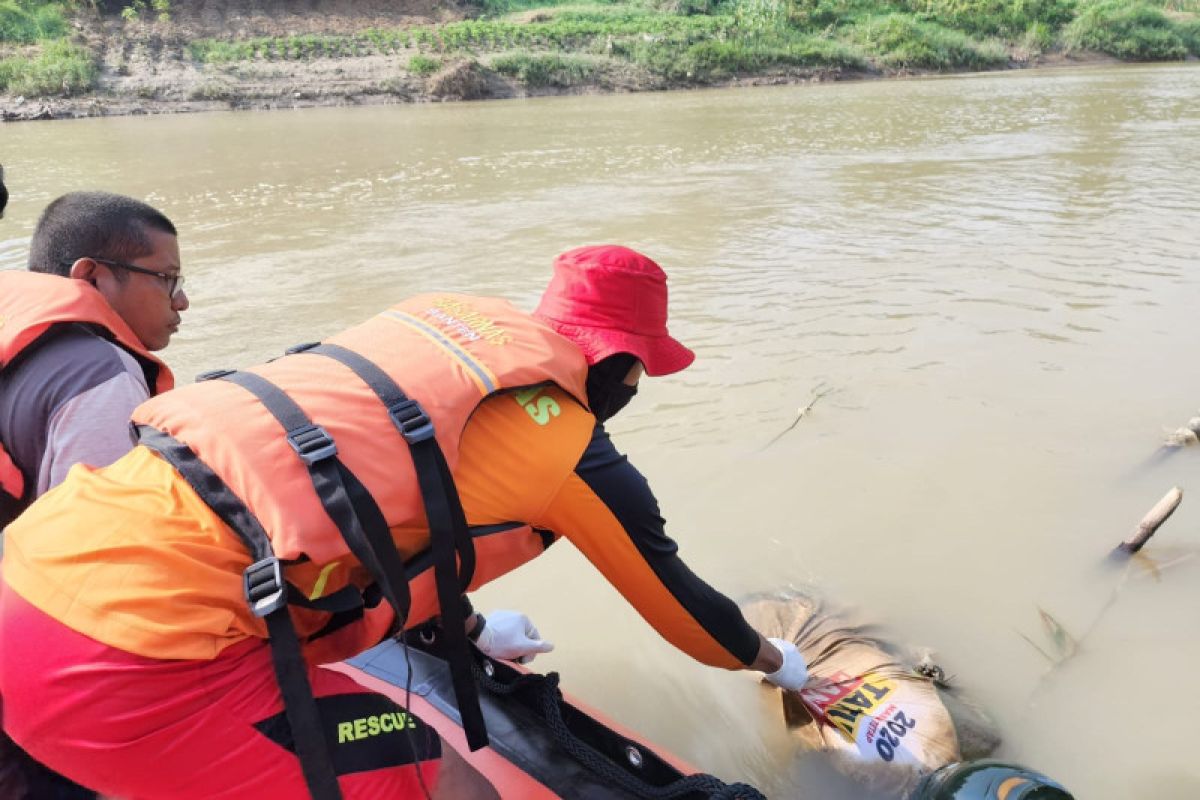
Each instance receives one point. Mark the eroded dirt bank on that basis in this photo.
(149, 66)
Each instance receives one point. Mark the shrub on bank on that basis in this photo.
(1008, 18)
(60, 69)
(709, 59)
(1188, 6)
(820, 51)
(541, 70)
(720, 59)
(496, 8)
(826, 14)
(27, 21)
(762, 16)
(1189, 31)
(423, 65)
(1038, 38)
(1127, 30)
(900, 40)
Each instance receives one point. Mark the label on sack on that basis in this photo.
(872, 712)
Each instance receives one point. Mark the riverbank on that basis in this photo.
(61, 58)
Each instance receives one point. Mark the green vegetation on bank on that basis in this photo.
(24, 21)
(1130, 31)
(60, 68)
(543, 44)
(549, 43)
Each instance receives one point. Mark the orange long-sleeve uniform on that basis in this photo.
(130, 556)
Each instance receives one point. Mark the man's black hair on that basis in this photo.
(95, 225)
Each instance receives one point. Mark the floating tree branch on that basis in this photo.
(1065, 645)
(820, 391)
(1150, 523)
(1187, 435)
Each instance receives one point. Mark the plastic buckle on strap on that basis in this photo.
(265, 590)
(411, 419)
(212, 375)
(300, 348)
(312, 443)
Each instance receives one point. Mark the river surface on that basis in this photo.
(994, 277)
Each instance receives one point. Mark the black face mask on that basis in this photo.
(606, 389)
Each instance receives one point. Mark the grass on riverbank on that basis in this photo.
(545, 43)
(1135, 32)
(702, 40)
(60, 68)
(28, 21)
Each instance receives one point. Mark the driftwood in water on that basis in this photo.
(818, 393)
(1062, 645)
(1150, 523)
(1187, 435)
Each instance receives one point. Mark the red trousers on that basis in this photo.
(142, 729)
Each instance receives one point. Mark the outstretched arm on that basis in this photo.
(607, 510)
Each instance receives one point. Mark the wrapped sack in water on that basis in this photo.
(886, 717)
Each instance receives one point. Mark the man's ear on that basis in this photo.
(84, 269)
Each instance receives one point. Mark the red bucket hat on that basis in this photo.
(610, 299)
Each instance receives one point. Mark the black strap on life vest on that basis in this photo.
(11, 505)
(362, 524)
(10, 508)
(364, 529)
(267, 595)
(345, 499)
(448, 531)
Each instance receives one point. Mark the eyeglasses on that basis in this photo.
(172, 280)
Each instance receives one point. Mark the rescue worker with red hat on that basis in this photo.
(162, 620)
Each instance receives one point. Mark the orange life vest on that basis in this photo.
(317, 454)
(31, 305)
(448, 352)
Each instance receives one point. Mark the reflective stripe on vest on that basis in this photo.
(447, 352)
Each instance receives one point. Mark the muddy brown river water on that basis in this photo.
(997, 278)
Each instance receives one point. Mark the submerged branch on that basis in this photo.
(1035, 646)
(820, 391)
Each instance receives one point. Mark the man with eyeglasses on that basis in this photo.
(77, 332)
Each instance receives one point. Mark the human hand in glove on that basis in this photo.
(793, 674)
(510, 635)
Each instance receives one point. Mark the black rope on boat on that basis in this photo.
(550, 699)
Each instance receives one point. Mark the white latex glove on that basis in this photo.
(794, 672)
(510, 635)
